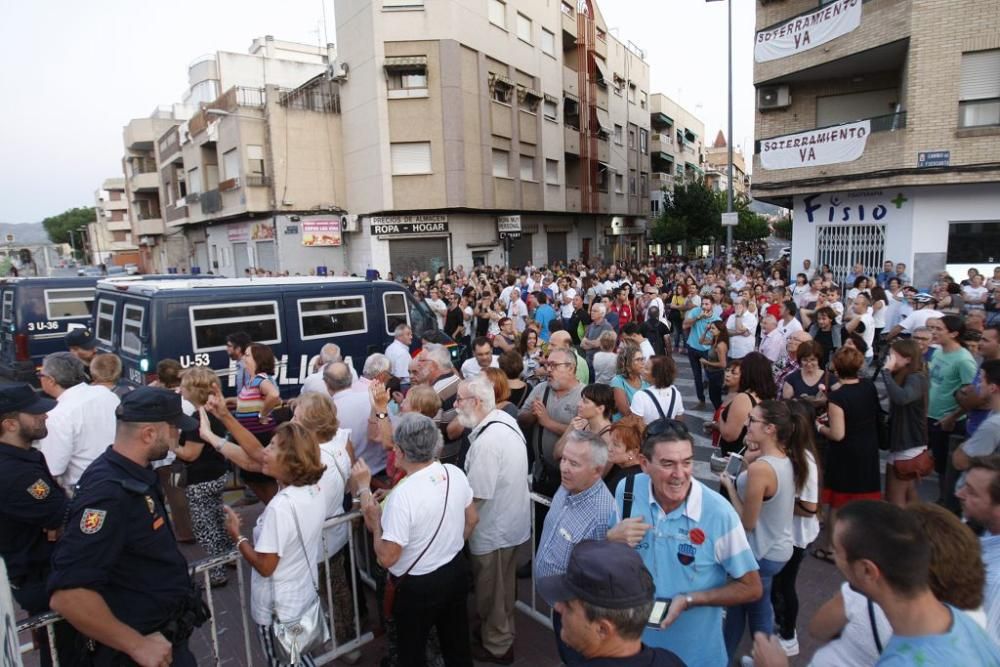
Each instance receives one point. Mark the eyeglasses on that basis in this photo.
(556, 364)
(459, 399)
(922, 339)
(754, 420)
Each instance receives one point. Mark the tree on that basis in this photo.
(59, 226)
(783, 228)
(690, 213)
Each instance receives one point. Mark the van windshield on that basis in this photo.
(421, 318)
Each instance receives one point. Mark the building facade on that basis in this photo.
(678, 154)
(110, 235)
(717, 168)
(878, 123)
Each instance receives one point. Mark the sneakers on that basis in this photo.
(746, 661)
(480, 654)
(790, 646)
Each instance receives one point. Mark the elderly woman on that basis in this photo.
(418, 536)
(287, 536)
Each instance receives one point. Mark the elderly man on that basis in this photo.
(517, 311)
(497, 467)
(590, 343)
(582, 509)
(376, 369)
(436, 370)
(772, 343)
(353, 412)
(605, 599)
(742, 327)
(692, 540)
(328, 354)
(481, 359)
(788, 362)
(82, 424)
(398, 352)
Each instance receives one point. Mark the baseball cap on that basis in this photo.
(153, 404)
(81, 338)
(22, 398)
(604, 574)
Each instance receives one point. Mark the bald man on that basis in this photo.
(561, 340)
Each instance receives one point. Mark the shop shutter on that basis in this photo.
(520, 251)
(408, 255)
(557, 246)
(241, 262)
(267, 257)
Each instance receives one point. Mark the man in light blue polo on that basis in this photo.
(693, 543)
(696, 322)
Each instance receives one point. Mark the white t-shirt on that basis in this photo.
(399, 358)
(566, 308)
(806, 528)
(878, 314)
(81, 427)
(471, 367)
(497, 465)
(290, 588)
(518, 312)
(413, 511)
(977, 293)
(643, 406)
(334, 456)
(787, 329)
(918, 318)
(646, 348)
(439, 309)
(739, 345)
(855, 647)
(800, 294)
(353, 410)
(869, 333)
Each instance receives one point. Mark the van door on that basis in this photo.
(132, 339)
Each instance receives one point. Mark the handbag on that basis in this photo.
(292, 639)
(919, 466)
(545, 479)
(392, 583)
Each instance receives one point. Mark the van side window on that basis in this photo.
(211, 324)
(332, 316)
(132, 318)
(61, 304)
(8, 305)
(105, 320)
(396, 312)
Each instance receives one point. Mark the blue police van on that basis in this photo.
(188, 320)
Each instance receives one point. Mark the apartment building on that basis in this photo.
(678, 155)
(110, 234)
(878, 123)
(467, 120)
(717, 167)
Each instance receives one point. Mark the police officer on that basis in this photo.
(117, 574)
(82, 345)
(32, 507)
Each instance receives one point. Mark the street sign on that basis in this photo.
(510, 235)
(934, 159)
(509, 223)
(730, 219)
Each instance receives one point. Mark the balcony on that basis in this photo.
(659, 180)
(571, 141)
(258, 181)
(573, 199)
(661, 142)
(211, 202)
(883, 22)
(571, 82)
(176, 214)
(146, 226)
(145, 182)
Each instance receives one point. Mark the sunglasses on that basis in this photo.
(666, 426)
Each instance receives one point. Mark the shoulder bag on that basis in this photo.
(293, 639)
(391, 582)
(544, 477)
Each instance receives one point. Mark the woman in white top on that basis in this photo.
(287, 536)
(661, 398)
(318, 414)
(418, 537)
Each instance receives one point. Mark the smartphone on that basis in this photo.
(734, 465)
(660, 607)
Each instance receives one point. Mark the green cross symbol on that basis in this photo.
(898, 201)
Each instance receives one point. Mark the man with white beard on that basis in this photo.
(497, 468)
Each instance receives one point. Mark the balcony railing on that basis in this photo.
(211, 201)
(257, 181)
(887, 123)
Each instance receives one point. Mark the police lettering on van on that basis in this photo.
(190, 320)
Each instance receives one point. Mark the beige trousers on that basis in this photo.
(495, 576)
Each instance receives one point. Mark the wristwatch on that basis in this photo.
(688, 601)
(381, 415)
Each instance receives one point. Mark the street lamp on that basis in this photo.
(729, 134)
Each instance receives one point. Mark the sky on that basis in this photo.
(75, 72)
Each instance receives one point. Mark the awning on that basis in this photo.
(551, 98)
(405, 62)
(661, 117)
(605, 166)
(689, 135)
(694, 167)
(525, 92)
(501, 79)
(603, 120)
(663, 156)
(602, 70)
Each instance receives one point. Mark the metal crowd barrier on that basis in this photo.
(531, 608)
(203, 568)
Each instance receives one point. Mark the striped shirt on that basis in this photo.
(249, 403)
(991, 594)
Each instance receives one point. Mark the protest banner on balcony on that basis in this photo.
(827, 145)
(807, 31)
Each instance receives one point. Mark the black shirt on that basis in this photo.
(31, 501)
(647, 657)
(210, 464)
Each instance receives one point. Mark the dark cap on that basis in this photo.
(22, 398)
(81, 338)
(604, 574)
(153, 404)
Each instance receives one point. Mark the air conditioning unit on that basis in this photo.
(773, 97)
(349, 223)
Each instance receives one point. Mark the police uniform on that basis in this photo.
(118, 541)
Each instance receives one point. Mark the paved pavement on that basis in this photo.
(534, 646)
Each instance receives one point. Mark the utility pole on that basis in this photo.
(729, 138)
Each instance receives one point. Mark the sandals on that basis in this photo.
(823, 554)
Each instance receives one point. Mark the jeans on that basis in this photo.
(695, 357)
(758, 614)
(784, 598)
(715, 379)
(938, 443)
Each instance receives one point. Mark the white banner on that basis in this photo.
(808, 30)
(829, 145)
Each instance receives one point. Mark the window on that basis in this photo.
(552, 171)
(654, 206)
(132, 318)
(619, 85)
(631, 93)
(411, 158)
(255, 160)
(548, 42)
(523, 28)
(211, 324)
(396, 312)
(551, 109)
(105, 321)
(619, 184)
(194, 180)
(528, 99)
(643, 141)
(643, 99)
(8, 305)
(979, 94)
(498, 13)
(406, 79)
(502, 88)
(230, 164)
(631, 137)
(644, 184)
(65, 304)
(618, 134)
(631, 181)
(969, 242)
(501, 163)
(328, 317)
(527, 168)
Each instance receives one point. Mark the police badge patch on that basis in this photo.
(92, 521)
(39, 490)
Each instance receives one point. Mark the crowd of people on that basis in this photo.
(557, 381)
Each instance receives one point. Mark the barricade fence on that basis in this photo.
(360, 557)
(531, 608)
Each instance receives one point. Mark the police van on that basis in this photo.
(145, 322)
(36, 315)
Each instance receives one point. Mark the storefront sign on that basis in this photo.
(829, 145)
(621, 226)
(934, 159)
(321, 232)
(291, 230)
(508, 223)
(409, 224)
(406, 219)
(237, 233)
(262, 231)
(509, 235)
(807, 31)
(863, 206)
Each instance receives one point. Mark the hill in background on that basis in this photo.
(24, 232)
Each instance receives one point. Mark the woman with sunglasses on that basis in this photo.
(764, 498)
